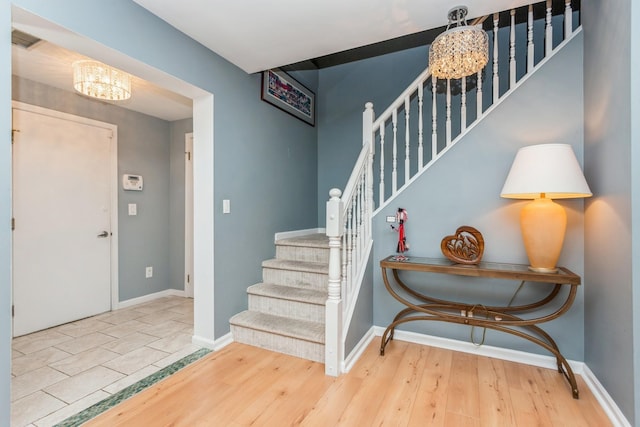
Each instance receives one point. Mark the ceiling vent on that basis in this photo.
(24, 40)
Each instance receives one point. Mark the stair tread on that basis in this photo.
(307, 266)
(285, 326)
(291, 293)
(317, 240)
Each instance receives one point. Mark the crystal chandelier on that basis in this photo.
(100, 81)
(461, 50)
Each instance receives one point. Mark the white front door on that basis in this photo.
(61, 206)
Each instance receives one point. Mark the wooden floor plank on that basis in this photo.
(431, 401)
(495, 400)
(411, 385)
(462, 395)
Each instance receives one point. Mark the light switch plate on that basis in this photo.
(226, 206)
(133, 209)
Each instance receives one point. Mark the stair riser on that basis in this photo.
(287, 345)
(287, 308)
(300, 253)
(301, 279)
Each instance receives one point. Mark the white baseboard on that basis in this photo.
(214, 345)
(355, 354)
(150, 297)
(614, 413)
(297, 233)
(483, 350)
(580, 368)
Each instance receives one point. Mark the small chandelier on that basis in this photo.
(98, 80)
(461, 50)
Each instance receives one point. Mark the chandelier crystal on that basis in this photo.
(98, 80)
(460, 51)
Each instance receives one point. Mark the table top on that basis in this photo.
(484, 269)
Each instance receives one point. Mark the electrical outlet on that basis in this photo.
(148, 272)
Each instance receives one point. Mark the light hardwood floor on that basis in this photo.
(412, 385)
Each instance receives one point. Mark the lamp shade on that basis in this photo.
(545, 170)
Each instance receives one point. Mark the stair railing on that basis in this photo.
(350, 213)
(400, 158)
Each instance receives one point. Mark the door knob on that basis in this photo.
(104, 234)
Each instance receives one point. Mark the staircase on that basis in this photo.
(287, 310)
(309, 292)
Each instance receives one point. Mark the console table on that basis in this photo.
(500, 318)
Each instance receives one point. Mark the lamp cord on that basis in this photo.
(486, 313)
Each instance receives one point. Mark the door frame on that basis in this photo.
(113, 183)
(189, 281)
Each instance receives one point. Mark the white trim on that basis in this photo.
(149, 297)
(579, 368)
(188, 216)
(609, 406)
(113, 178)
(297, 233)
(203, 217)
(215, 345)
(532, 359)
(355, 354)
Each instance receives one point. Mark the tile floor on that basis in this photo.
(60, 371)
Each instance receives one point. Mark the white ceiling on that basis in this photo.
(257, 35)
(50, 64)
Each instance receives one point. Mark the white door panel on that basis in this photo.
(61, 203)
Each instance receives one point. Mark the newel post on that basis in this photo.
(333, 309)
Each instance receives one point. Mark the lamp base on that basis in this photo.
(543, 223)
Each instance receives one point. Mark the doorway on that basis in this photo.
(64, 253)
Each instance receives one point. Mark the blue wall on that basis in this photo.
(611, 220)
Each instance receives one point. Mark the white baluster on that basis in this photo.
(360, 222)
(530, 46)
(407, 138)
(496, 80)
(369, 193)
(343, 253)
(512, 50)
(548, 42)
(381, 188)
(434, 118)
(463, 105)
(568, 19)
(349, 249)
(448, 122)
(479, 95)
(394, 170)
(420, 127)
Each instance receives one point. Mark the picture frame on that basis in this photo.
(289, 95)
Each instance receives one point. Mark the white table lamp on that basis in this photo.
(542, 173)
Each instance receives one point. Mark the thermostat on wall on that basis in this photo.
(131, 182)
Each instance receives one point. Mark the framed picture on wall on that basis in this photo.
(289, 95)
